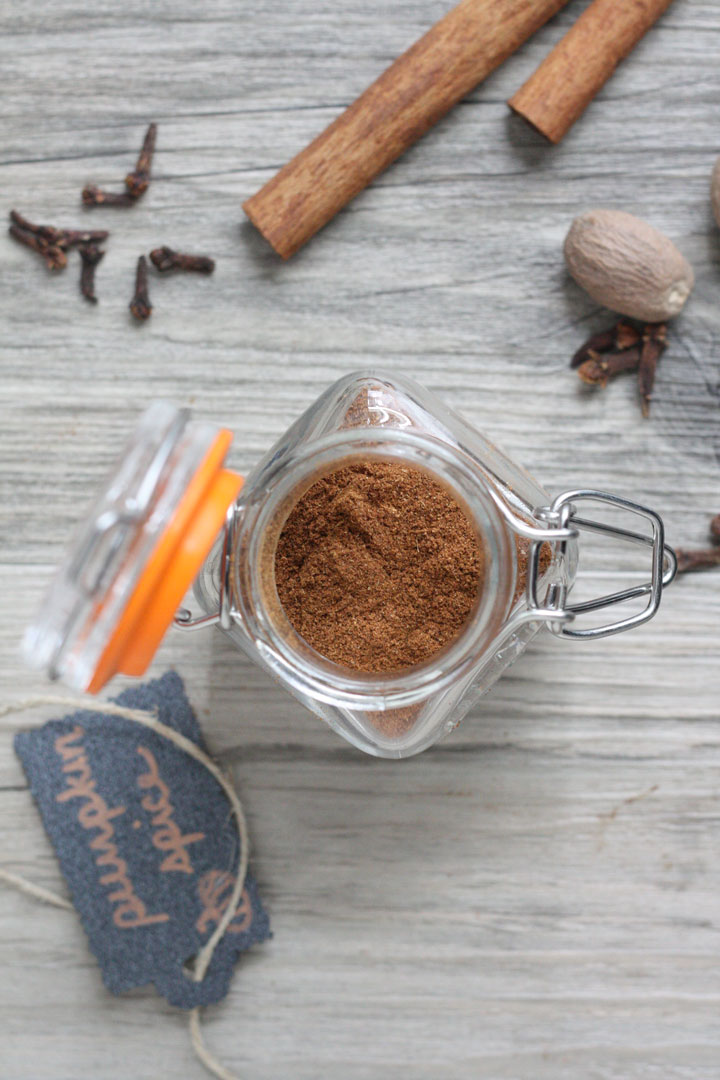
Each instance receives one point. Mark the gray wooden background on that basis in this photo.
(536, 898)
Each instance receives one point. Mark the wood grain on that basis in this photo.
(537, 897)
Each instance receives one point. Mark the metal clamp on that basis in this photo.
(184, 619)
(562, 515)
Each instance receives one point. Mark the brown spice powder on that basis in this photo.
(378, 567)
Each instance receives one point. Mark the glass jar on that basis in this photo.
(170, 514)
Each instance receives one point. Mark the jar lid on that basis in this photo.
(136, 552)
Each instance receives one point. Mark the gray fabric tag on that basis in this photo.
(146, 843)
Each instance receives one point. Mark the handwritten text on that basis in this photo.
(95, 813)
(166, 835)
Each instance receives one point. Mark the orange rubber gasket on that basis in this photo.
(171, 568)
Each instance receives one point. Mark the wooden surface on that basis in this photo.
(536, 898)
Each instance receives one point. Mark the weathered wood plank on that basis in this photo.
(537, 897)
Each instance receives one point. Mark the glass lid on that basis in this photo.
(129, 563)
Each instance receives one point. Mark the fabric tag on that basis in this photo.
(146, 842)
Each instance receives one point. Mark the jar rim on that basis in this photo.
(262, 517)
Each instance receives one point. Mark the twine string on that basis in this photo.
(203, 958)
(29, 887)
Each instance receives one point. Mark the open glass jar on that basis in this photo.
(171, 514)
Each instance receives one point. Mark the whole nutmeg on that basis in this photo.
(627, 265)
(715, 191)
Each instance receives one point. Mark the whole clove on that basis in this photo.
(54, 256)
(62, 238)
(164, 258)
(654, 343)
(619, 337)
(91, 255)
(626, 335)
(596, 343)
(137, 181)
(95, 196)
(140, 305)
(689, 561)
(598, 369)
(704, 558)
(624, 347)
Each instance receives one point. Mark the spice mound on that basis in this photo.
(378, 567)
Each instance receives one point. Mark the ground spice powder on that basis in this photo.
(378, 567)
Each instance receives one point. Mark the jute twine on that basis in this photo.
(203, 958)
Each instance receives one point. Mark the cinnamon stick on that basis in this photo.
(581, 63)
(408, 98)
